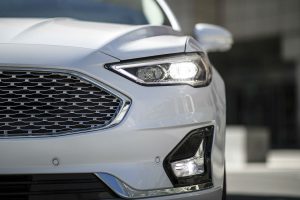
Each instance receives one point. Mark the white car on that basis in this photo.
(106, 99)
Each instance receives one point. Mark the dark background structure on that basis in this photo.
(262, 71)
(262, 76)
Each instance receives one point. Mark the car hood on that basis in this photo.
(119, 41)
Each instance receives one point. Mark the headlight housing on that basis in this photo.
(193, 69)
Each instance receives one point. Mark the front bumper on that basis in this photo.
(210, 194)
(157, 121)
(74, 186)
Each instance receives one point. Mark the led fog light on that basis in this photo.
(192, 166)
(189, 162)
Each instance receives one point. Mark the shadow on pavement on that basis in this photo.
(245, 197)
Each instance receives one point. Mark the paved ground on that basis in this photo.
(241, 197)
(278, 179)
(259, 181)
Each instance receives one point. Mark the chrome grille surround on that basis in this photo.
(36, 102)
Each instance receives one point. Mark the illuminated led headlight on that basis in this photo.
(193, 69)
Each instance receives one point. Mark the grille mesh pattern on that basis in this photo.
(54, 186)
(37, 103)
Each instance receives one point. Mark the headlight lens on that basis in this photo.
(193, 69)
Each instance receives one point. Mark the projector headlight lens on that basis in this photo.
(193, 69)
(149, 74)
(184, 70)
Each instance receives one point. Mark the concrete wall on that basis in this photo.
(262, 18)
(245, 18)
(191, 12)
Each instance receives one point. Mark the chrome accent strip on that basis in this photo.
(126, 191)
(126, 101)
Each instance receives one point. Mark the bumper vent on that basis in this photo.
(43, 103)
(58, 187)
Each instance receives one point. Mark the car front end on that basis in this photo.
(106, 111)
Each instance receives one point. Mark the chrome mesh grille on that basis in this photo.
(38, 103)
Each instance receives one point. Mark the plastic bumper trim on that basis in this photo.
(126, 191)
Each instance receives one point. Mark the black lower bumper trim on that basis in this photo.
(54, 186)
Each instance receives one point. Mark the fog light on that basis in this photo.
(189, 163)
(190, 167)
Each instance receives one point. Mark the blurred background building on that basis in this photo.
(262, 76)
(262, 71)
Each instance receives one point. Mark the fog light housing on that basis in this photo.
(189, 162)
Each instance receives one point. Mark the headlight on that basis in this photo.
(193, 69)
